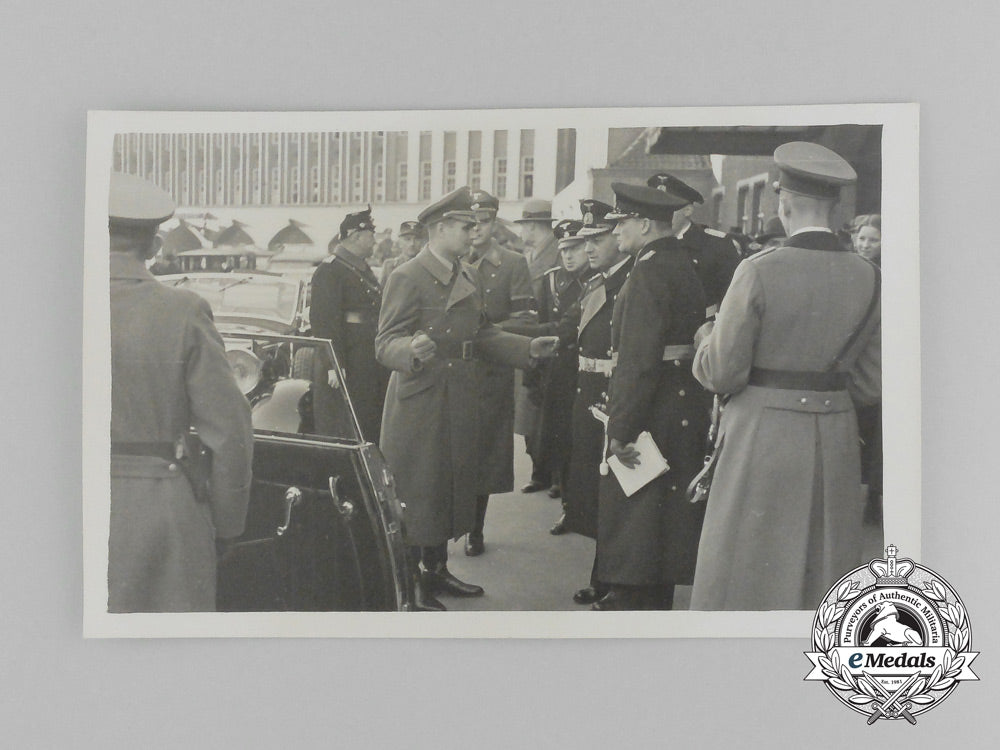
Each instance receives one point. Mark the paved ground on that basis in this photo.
(526, 568)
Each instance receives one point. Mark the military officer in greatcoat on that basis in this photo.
(169, 372)
(432, 330)
(409, 240)
(346, 298)
(542, 253)
(796, 346)
(647, 542)
(507, 297)
(594, 366)
(714, 255)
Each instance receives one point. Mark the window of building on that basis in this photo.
(237, 185)
(335, 184)
(401, 181)
(527, 176)
(500, 178)
(293, 186)
(425, 181)
(255, 185)
(475, 173)
(379, 182)
(220, 187)
(449, 176)
(356, 183)
(750, 211)
(314, 184)
(275, 186)
(742, 202)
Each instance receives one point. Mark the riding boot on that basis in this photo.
(474, 541)
(423, 600)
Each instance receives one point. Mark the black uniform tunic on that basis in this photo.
(651, 537)
(715, 258)
(346, 299)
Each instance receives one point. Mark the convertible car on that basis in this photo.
(324, 529)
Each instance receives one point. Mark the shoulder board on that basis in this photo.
(552, 270)
(715, 232)
(762, 253)
(647, 256)
(329, 258)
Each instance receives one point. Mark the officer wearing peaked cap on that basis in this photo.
(169, 373)
(594, 365)
(646, 543)
(508, 299)
(796, 346)
(432, 331)
(346, 299)
(410, 239)
(714, 255)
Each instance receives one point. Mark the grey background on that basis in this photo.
(58, 61)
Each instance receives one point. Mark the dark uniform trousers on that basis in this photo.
(594, 363)
(648, 542)
(555, 380)
(346, 299)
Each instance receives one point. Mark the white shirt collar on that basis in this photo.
(814, 229)
(684, 231)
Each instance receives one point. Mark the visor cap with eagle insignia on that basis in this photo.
(455, 205)
(670, 184)
(594, 217)
(484, 204)
(643, 202)
(567, 232)
(811, 170)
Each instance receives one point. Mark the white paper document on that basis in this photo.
(652, 464)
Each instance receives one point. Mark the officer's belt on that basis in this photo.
(798, 380)
(354, 317)
(166, 451)
(603, 366)
(464, 350)
(678, 351)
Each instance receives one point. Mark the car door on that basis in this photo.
(324, 526)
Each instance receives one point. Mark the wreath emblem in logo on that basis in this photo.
(891, 639)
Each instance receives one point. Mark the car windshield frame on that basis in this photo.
(215, 288)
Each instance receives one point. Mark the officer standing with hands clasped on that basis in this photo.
(346, 299)
(432, 330)
(646, 543)
(796, 345)
(169, 372)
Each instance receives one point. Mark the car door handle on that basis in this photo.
(293, 497)
(344, 507)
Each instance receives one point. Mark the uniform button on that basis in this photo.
(803, 400)
(447, 330)
(826, 403)
(677, 363)
(577, 390)
(449, 364)
(673, 488)
(681, 393)
(493, 275)
(695, 261)
(487, 291)
(684, 423)
(172, 467)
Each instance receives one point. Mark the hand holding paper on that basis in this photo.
(633, 478)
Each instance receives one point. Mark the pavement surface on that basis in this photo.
(526, 568)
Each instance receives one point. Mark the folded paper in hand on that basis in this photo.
(652, 465)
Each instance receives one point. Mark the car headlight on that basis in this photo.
(246, 367)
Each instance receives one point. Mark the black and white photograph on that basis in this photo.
(567, 372)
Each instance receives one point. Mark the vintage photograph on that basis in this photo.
(544, 372)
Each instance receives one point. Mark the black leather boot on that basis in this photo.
(618, 599)
(559, 527)
(474, 545)
(439, 580)
(423, 601)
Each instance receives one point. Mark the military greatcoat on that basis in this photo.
(785, 511)
(506, 285)
(652, 537)
(169, 372)
(715, 258)
(432, 419)
(346, 299)
(594, 343)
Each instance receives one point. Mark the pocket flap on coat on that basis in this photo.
(413, 384)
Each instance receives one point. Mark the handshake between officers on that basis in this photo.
(432, 330)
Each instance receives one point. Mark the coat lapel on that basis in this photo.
(463, 287)
(592, 304)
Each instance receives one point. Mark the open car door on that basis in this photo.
(324, 527)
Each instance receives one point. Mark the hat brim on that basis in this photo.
(595, 231)
(469, 216)
(540, 220)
